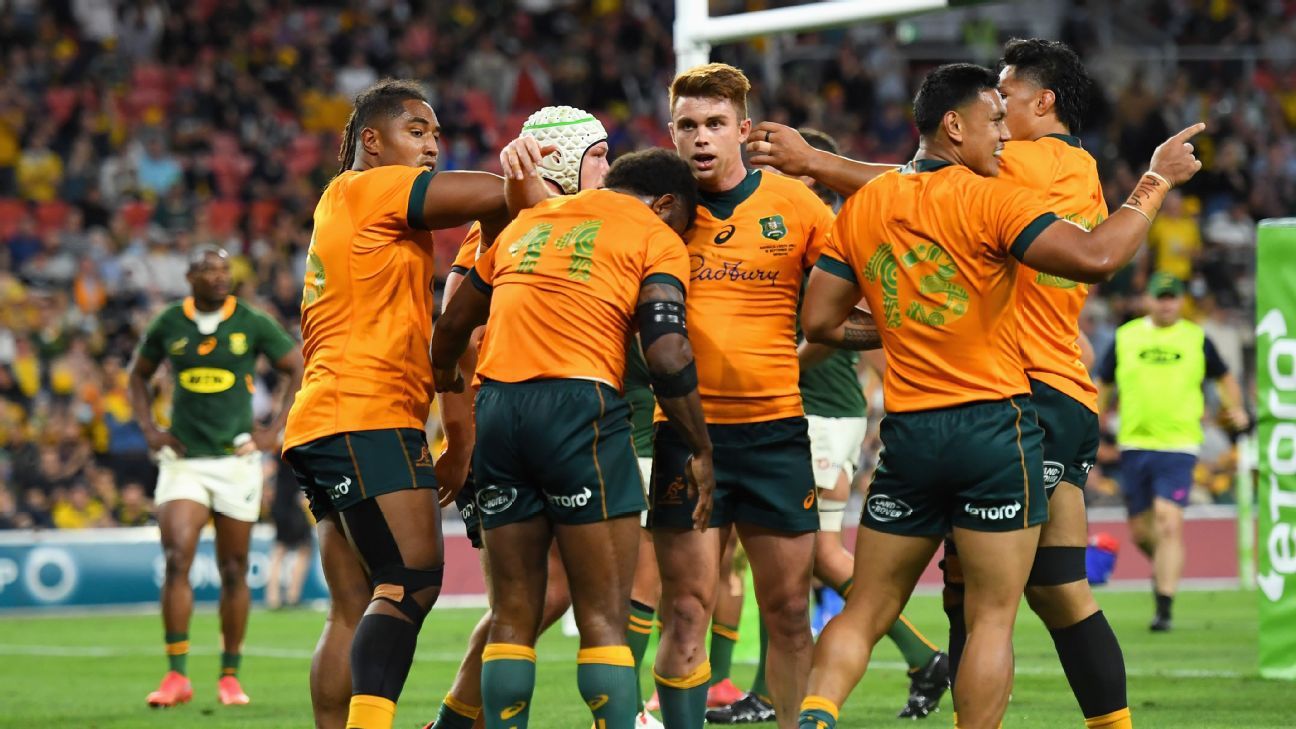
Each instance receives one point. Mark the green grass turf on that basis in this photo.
(93, 672)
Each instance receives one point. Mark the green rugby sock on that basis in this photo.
(915, 647)
(604, 676)
(177, 650)
(683, 700)
(723, 640)
(817, 713)
(638, 633)
(456, 715)
(230, 663)
(508, 681)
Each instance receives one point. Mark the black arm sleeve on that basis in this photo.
(1215, 367)
(1107, 367)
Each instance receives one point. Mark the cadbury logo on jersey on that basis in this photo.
(699, 270)
(206, 380)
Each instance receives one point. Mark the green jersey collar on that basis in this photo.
(924, 165)
(723, 204)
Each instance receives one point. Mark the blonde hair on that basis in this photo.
(714, 81)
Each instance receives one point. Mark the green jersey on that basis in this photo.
(212, 372)
(639, 394)
(831, 388)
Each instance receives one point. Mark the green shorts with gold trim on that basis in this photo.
(556, 447)
(339, 471)
(1070, 436)
(763, 477)
(977, 466)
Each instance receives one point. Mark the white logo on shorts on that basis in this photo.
(570, 501)
(341, 489)
(1052, 474)
(496, 499)
(994, 513)
(885, 508)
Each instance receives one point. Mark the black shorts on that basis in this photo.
(1070, 436)
(338, 471)
(763, 477)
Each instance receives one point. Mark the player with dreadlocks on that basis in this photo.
(355, 435)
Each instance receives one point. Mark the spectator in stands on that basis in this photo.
(40, 169)
(133, 507)
(10, 516)
(79, 510)
(36, 510)
(155, 167)
(1175, 237)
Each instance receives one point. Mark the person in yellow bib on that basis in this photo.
(1158, 366)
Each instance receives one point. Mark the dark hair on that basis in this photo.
(384, 98)
(820, 140)
(655, 172)
(947, 88)
(1052, 65)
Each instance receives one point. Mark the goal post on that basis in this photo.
(695, 30)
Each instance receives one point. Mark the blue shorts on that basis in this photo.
(1145, 475)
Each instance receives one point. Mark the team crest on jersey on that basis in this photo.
(178, 346)
(773, 227)
(675, 492)
(238, 343)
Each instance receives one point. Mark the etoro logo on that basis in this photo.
(1277, 455)
(886, 508)
(570, 501)
(994, 513)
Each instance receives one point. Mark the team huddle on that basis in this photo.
(664, 352)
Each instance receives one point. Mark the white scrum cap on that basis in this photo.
(573, 131)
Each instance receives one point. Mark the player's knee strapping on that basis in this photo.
(401, 587)
(831, 513)
(1057, 566)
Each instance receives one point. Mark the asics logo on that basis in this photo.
(598, 702)
(570, 501)
(514, 710)
(994, 513)
(809, 501)
(341, 489)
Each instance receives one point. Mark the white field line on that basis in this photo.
(301, 654)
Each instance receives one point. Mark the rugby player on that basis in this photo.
(355, 436)
(945, 313)
(556, 459)
(756, 234)
(209, 460)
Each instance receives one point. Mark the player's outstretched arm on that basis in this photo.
(663, 333)
(783, 148)
(460, 197)
(142, 370)
(1068, 250)
(829, 314)
(467, 310)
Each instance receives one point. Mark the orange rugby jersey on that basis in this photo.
(932, 247)
(748, 254)
(468, 251)
(564, 279)
(1049, 306)
(366, 307)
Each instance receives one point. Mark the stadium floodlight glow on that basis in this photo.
(695, 30)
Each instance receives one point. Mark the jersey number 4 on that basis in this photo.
(579, 240)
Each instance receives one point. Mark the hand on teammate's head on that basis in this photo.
(781, 147)
(1174, 159)
(521, 157)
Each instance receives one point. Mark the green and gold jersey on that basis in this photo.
(831, 389)
(213, 373)
(639, 394)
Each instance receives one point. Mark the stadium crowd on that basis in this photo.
(131, 132)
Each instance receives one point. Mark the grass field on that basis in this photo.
(93, 672)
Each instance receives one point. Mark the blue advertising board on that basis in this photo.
(82, 568)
